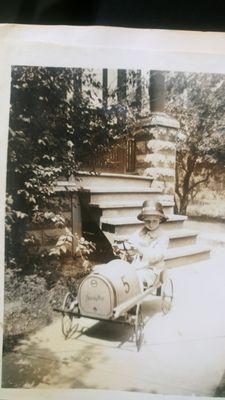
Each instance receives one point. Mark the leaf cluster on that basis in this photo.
(57, 121)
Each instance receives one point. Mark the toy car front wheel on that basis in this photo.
(69, 321)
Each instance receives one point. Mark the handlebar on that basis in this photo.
(125, 250)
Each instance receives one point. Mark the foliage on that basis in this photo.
(85, 248)
(27, 304)
(29, 297)
(197, 101)
(39, 149)
(64, 244)
(56, 121)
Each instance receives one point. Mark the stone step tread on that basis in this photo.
(186, 251)
(65, 186)
(127, 204)
(175, 234)
(114, 175)
(182, 233)
(128, 189)
(135, 221)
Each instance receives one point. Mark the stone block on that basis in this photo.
(156, 130)
(171, 164)
(142, 134)
(141, 147)
(160, 172)
(141, 165)
(169, 188)
(164, 146)
(140, 170)
(163, 120)
(168, 136)
(166, 186)
(141, 158)
(158, 159)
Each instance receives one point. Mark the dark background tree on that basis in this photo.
(56, 122)
(198, 102)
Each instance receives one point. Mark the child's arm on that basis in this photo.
(155, 253)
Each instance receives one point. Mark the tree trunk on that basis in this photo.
(105, 88)
(121, 95)
(183, 204)
(184, 188)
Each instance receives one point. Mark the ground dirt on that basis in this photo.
(182, 353)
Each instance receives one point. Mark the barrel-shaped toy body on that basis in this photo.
(107, 287)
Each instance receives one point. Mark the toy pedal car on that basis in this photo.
(113, 292)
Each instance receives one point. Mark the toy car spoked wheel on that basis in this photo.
(167, 296)
(139, 327)
(69, 322)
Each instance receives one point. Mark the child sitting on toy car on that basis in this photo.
(149, 243)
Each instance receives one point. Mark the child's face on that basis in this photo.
(152, 223)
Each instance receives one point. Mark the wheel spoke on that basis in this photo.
(138, 327)
(167, 296)
(69, 326)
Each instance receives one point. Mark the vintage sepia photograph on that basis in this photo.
(115, 231)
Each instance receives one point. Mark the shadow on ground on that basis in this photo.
(150, 308)
(30, 365)
(119, 332)
(110, 331)
(27, 367)
(220, 390)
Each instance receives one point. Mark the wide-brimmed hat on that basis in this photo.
(149, 209)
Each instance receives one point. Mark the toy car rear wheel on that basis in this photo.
(69, 322)
(139, 327)
(166, 296)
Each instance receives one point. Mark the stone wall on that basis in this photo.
(67, 204)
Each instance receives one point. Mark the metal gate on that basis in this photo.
(120, 158)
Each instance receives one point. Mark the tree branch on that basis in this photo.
(177, 182)
(202, 180)
(183, 164)
(198, 183)
(180, 159)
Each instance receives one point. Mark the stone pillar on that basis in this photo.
(155, 140)
(157, 91)
(156, 150)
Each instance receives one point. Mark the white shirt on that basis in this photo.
(151, 245)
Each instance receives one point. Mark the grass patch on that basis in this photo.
(207, 209)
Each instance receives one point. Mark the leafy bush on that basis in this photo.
(56, 120)
(27, 305)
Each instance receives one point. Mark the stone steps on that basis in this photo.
(177, 238)
(113, 201)
(128, 225)
(186, 255)
(130, 193)
(182, 237)
(126, 208)
(88, 180)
